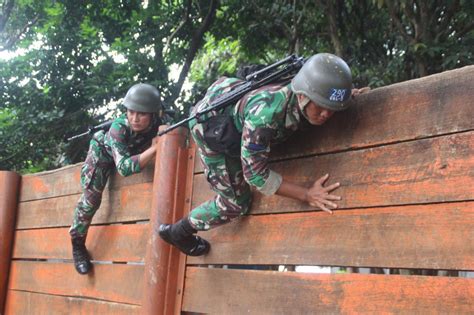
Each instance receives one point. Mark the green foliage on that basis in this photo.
(76, 57)
(217, 58)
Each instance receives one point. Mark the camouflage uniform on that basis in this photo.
(119, 148)
(264, 116)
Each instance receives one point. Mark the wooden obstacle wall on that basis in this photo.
(404, 156)
(42, 278)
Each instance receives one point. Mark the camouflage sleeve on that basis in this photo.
(126, 164)
(257, 135)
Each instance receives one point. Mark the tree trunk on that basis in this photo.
(194, 46)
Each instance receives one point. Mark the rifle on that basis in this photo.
(103, 126)
(167, 113)
(283, 69)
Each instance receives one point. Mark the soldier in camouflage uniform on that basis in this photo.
(126, 146)
(262, 117)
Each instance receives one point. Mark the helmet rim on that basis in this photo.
(325, 79)
(143, 97)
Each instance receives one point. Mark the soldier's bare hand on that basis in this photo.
(363, 90)
(319, 196)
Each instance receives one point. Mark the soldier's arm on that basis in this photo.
(146, 156)
(125, 163)
(255, 150)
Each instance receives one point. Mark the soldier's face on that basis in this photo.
(316, 114)
(138, 121)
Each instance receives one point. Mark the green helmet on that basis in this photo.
(326, 80)
(143, 97)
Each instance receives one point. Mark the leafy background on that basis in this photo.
(67, 64)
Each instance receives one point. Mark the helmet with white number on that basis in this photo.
(326, 80)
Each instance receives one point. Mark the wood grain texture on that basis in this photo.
(433, 105)
(20, 302)
(105, 243)
(66, 181)
(429, 236)
(124, 204)
(426, 171)
(115, 283)
(162, 261)
(220, 291)
(9, 189)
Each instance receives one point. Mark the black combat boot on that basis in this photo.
(81, 256)
(181, 235)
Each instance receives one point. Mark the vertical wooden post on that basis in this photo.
(163, 264)
(9, 187)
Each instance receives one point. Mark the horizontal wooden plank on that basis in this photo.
(220, 291)
(425, 171)
(438, 236)
(19, 302)
(125, 204)
(433, 105)
(63, 181)
(105, 243)
(66, 181)
(116, 283)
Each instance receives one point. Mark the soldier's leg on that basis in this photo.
(233, 199)
(233, 195)
(94, 175)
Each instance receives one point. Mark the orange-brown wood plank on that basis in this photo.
(425, 171)
(120, 283)
(20, 302)
(63, 181)
(126, 203)
(220, 291)
(433, 105)
(438, 236)
(105, 243)
(66, 181)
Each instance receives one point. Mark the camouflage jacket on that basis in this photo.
(124, 146)
(264, 116)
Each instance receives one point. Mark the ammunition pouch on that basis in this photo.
(221, 135)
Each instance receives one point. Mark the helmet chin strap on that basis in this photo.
(303, 101)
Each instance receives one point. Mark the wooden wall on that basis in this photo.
(42, 277)
(404, 156)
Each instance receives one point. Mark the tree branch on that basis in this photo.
(469, 27)
(13, 39)
(6, 12)
(193, 48)
(183, 22)
(294, 37)
(424, 20)
(414, 18)
(447, 18)
(397, 22)
(333, 30)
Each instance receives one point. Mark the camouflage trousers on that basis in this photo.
(94, 174)
(225, 176)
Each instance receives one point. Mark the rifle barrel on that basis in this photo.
(272, 66)
(172, 127)
(77, 136)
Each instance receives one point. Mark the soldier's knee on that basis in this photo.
(238, 208)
